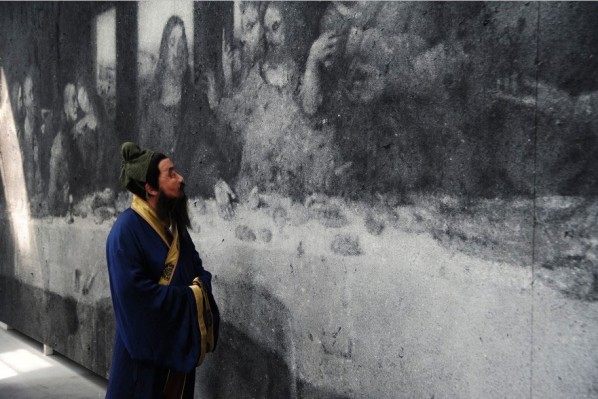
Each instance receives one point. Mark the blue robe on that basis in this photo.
(156, 325)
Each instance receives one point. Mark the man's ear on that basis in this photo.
(150, 190)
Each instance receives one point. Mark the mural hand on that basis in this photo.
(224, 197)
(211, 89)
(227, 62)
(516, 90)
(323, 48)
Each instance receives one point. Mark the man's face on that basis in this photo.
(274, 28)
(170, 182)
(365, 82)
(70, 102)
(17, 94)
(177, 57)
(83, 100)
(251, 31)
(29, 100)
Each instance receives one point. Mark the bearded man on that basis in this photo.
(166, 317)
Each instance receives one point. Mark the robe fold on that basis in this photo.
(157, 329)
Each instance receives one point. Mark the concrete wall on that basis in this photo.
(427, 230)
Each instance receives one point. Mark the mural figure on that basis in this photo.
(31, 135)
(367, 77)
(241, 70)
(238, 62)
(281, 152)
(171, 94)
(339, 22)
(178, 118)
(16, 97)
(62, 158)
(80, 162)
(568, 143)
(251, 40)
(94, 140)
(106, 88)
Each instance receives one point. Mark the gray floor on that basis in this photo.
(26, 373)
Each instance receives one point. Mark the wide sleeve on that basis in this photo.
(158, 323)
(206, 278)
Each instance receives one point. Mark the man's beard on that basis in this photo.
(175, 209)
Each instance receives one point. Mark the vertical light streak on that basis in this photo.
(11, 171)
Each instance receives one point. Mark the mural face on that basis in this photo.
(29, 100)
(105, 57)
(83, 100)
(17, 98)
(251, 32)
(70, 102)
(274, 28)
(177, 52)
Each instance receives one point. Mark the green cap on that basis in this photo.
(134, 166)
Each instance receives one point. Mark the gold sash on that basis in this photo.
(175, 382)
(204, 318)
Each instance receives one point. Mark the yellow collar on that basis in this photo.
(143, 209)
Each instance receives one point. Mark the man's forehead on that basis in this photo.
(165, 165)
(70, 89)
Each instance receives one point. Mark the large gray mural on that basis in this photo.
(397, 199)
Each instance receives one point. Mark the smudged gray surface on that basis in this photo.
(427, 231)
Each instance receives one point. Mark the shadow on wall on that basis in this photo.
(254, 345)
(81, 331)
(7, 248)
(21, 298)
(7, 251)
(254, 357)
(242, 367)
